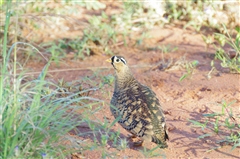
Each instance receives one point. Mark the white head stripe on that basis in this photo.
(123, 60)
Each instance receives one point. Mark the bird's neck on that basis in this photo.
(124, 80)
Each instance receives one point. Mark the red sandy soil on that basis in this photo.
(181, 101)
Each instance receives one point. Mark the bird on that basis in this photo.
(136, 106)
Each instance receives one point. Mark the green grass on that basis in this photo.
(223, 124)
(35, 121)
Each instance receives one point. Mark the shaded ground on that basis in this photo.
(181, 101)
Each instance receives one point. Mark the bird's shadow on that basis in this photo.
(114, 139)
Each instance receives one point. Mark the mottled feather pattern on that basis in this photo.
(140, 113)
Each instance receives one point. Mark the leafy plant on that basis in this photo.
(220, 123)
(231, 61)
(190, 66)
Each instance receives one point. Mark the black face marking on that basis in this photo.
(118, 59)
(112, 59)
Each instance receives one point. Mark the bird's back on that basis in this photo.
(140, 112)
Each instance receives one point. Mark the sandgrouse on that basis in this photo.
(137, 106)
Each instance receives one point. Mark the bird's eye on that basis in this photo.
(117, 60)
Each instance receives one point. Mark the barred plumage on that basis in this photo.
(137, 106)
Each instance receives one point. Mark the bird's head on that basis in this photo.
(123, 76)
(119, 63)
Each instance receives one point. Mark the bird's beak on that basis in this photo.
(109, 60)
